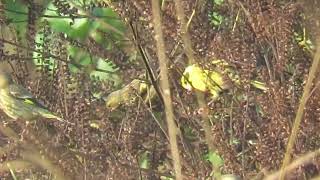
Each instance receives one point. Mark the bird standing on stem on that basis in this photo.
(222, 77)
(19, 103)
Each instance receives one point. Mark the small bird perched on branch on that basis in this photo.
(222, 77)
(19, 103)
(130, 93)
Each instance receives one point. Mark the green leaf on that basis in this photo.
(234, 141)
(78, 28)
(218, 2)
(18, 20)
(166, 178)
(216, 19)
(144, 160)
(106, 76)
(259, 110)
(109, 17)
(38, 58)
(81, 28)
(214, 158)
(57, 24)
(80, 56)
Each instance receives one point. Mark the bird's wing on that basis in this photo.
(21, 93)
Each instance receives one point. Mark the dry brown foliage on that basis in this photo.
(261, 46)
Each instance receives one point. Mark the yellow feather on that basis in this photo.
(213, 81)
(28, 101)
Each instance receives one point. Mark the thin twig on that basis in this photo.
(295, 129)
(164, 82)
(307, 158)
(200, 96)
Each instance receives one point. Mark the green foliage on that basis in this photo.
(218, 2)
(101, 25)
(144, 160)
(303, 40)
(18, 20)
(216, 161)
(166, 178)
(38, 59)
(85, 26)
(63, 24)
(259, 110)
(216, 19)
(80, 28)
(214, 158)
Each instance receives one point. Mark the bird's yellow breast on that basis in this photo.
(195, 77)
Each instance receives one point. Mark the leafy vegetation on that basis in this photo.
(97, 65)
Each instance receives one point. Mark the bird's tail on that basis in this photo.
(49, 115)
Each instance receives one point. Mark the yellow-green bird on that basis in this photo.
(194, 77)
(19, 103)
(222, 77)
